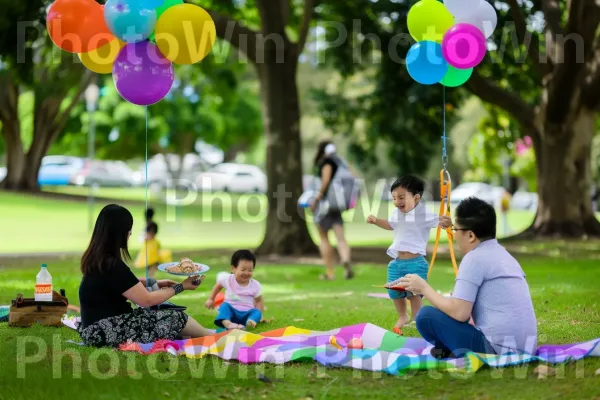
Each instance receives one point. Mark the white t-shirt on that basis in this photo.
(411, 230)
(240, 297)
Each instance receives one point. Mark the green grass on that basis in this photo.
(38, 224)
(565, 295)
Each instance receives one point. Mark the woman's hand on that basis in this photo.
(166, 283)
(315, 202)
(413, 283)
(192, 282)
(210, 304)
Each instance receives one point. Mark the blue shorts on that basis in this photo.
(228, 313)
(397, 268)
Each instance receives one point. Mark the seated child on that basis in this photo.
(151, 248)
(243, 305)
(411, 223)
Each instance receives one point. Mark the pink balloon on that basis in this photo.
(464, 46)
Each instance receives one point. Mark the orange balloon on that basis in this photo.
(77, 26)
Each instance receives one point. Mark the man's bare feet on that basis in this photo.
(250, 324)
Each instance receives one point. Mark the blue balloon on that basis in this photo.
(132, 21)
(425, 62)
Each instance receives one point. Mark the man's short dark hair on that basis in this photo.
(411, 184)
(478, 216)
(242, 255)
(152, 227)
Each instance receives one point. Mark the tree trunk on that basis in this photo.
(286, 233)
(232, 152)
(564, 177)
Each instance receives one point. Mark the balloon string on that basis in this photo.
(444, 137)
(146, 213)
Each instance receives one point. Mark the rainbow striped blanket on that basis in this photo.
(383, 351)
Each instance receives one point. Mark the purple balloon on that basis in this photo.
(142, 75)
(464, 46)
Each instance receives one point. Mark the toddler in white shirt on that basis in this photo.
(411, 223)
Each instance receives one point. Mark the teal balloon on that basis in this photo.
(132, 21)
(425, 62)
(456, 77)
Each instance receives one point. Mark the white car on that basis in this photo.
(488, 193)
(2, 173)
(227, 177)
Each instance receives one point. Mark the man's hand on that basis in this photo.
(413, 283)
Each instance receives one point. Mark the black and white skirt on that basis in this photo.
(142, 326)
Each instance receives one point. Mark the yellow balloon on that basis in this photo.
(429, 20)
(101, 59)
(185, 33)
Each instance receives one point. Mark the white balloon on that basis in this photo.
(461, 8)
(484, 18)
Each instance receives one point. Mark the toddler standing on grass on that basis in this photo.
(411, 223)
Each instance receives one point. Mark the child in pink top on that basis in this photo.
(243, 304)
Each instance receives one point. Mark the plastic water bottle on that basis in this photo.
(43, 285)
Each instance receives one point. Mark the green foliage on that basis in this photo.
(208, 102)
(404, 115)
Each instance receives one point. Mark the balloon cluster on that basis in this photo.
(451, 39)
(136, 40)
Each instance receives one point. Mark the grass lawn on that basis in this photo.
(38, 225)
(565, 294)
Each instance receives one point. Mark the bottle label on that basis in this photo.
(43, 288)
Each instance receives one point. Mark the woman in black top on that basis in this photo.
(107, 318)
(327, 165)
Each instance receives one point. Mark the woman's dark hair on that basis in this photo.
(242, 255)
(477, 216)
(109, 240)
(321, 151)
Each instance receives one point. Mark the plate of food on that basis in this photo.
(185, 267)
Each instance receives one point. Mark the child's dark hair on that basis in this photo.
(149, 214)
(411, 184)
(477, 216)
(242, 255)
(152, 227)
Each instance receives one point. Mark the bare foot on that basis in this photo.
(250, 324)
(403, 320)
(231, 326)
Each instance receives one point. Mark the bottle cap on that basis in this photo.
(44, 266)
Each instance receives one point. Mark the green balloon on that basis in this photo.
(456, 77)
(160, 10)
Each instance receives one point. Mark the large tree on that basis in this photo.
(266, 38)
(545, 73)
(57, 82)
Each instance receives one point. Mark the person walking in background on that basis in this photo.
(327, 165)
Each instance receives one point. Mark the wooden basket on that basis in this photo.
(26, 312)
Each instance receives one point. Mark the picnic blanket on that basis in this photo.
(383, 350)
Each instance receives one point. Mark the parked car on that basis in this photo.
(229, 177)
(103, 173)
(489, 193)
(160, 177)
(2, 173)
(524, 201)
(59, 170)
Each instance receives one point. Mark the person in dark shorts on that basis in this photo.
(326, 164)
